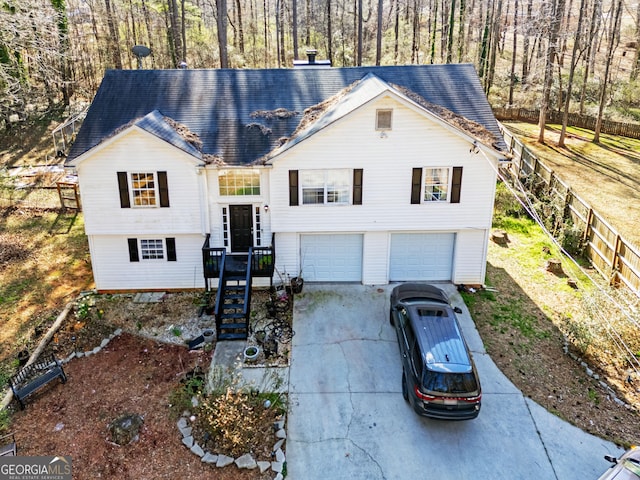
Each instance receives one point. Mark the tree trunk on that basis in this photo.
(396, 33)
(613, 42)
(577, 40)
(114, 38)
(379, 33)
(554, 27)
(294, 26)
(450, 32)
(525, 42)
(221, 6)
(512, 77)
(359, 49)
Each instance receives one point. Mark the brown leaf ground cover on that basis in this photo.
(138, 372)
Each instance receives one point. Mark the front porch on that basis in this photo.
(235, 273)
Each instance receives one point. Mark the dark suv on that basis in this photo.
(439, 378)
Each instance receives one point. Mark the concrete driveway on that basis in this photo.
(348, 420)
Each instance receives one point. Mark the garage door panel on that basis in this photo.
(332, 258)
(421, 256)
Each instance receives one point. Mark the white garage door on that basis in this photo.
(331, 258)
(421, 256)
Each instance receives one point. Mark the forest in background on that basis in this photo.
(574, 55)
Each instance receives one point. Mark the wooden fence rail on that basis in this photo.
(616, 259)
(631, 130)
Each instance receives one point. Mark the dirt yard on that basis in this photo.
(134, 374)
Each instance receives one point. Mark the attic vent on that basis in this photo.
(383, 119)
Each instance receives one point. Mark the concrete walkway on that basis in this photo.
(348, 420)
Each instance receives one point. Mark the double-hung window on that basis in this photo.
(326, 186)
(143, 189)
(152, 249)
(436, 185)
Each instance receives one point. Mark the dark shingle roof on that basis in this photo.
(241, 115)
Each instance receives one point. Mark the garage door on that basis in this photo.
(331, 258)
(421, 256)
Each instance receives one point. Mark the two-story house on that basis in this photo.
(367, 174)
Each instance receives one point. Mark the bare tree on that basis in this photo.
(555, 19)
(575, 56)
(614, 37)
(222, 32)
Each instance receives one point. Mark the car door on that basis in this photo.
(405, 340)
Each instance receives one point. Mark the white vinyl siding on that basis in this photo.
(387, 164)
(331, 258)
(113, 270)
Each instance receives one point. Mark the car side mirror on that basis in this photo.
(611, 459)
(457, 309)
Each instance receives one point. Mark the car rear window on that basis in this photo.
(449, 382)
(432, 312)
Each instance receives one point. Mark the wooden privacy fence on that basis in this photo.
(631, 130)
(611, 255)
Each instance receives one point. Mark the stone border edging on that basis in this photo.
(590, 373)
(104, 343)
(245, 461)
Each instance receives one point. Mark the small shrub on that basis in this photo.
(572, 240)
(235, 420)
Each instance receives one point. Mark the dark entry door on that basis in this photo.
(241, 225)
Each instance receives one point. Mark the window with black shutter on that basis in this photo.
(171, 249)
(134, 256)
(293, 188)
(357, 186)
(123, 187)
(416, 185)
(456, 184)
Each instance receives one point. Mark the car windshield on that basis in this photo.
(632, 465)
(449, 382)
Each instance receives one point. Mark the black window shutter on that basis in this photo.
(293, 188)
(456, 184)
(171, 249)
(416, 185)
(163, 187)
(123, 187)
(357, 186)
(133, 250)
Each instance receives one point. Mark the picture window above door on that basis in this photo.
(239, 182)
(383, 119)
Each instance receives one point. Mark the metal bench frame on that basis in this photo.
(8, 449)
(36, 375)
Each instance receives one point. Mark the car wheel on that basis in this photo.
(391, 318)
(405, 391)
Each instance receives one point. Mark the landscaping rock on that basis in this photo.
(210, 458)
(263, 466)
(278, 444)
(188, 441)
(281, 433)
(125, 429)
(223, 461)
(197, 449)
(246, 461)
(182, 423)
(104, 343)
(186, 431)
(277, 467)
(279, 455)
